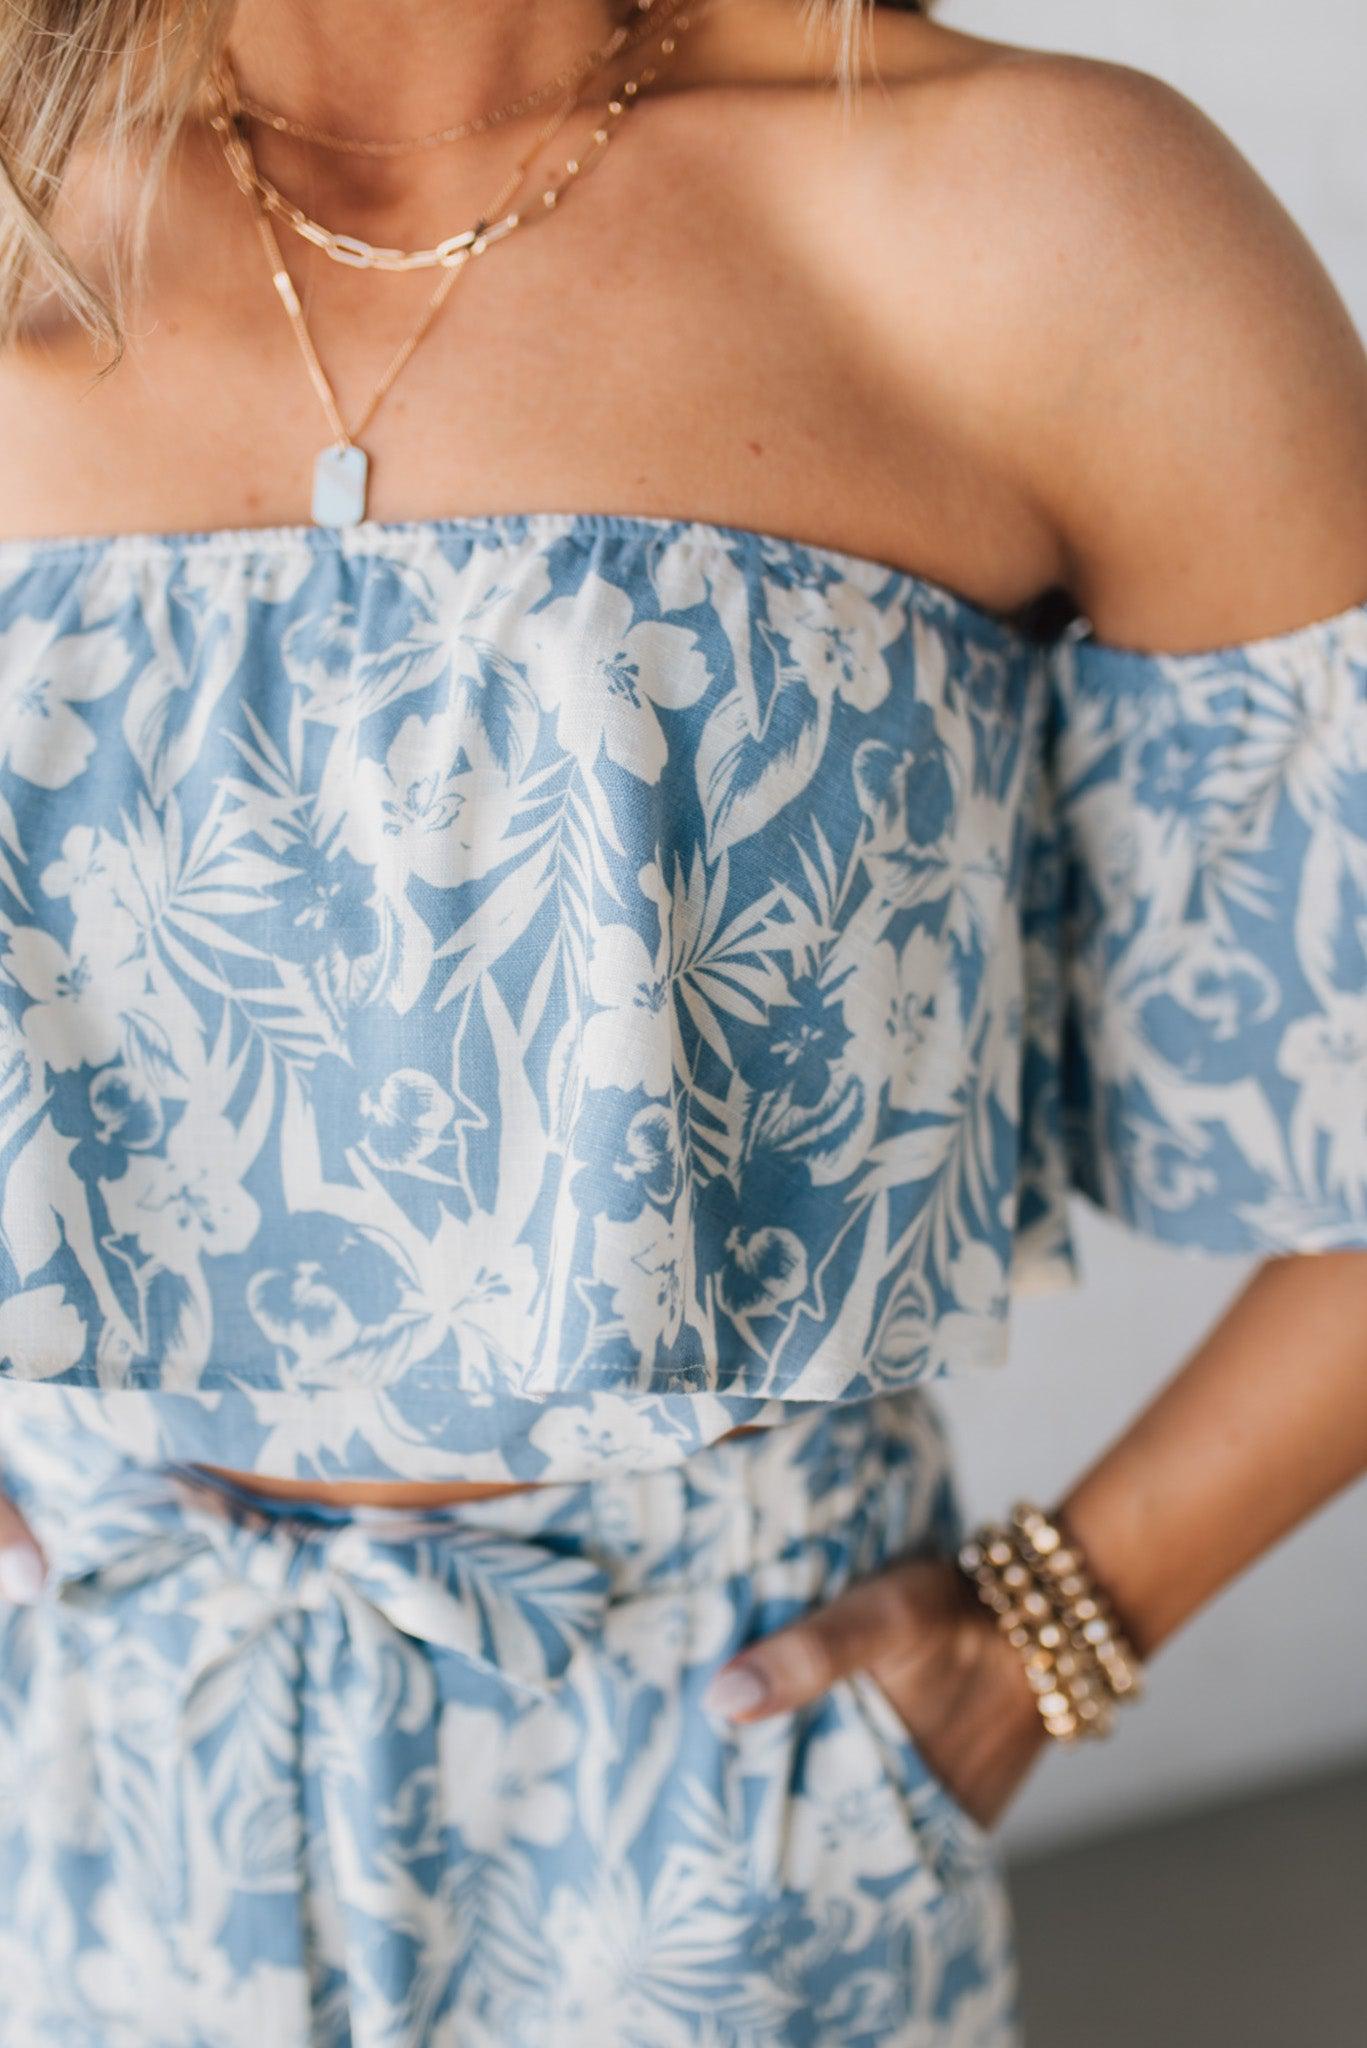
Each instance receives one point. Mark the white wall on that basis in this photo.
(1271, 1679)
(1284, 78)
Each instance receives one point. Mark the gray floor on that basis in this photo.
(1243, 1927)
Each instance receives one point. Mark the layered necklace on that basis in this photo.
(342, 468)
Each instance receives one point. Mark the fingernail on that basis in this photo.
(21, 1575)
(737, 1690)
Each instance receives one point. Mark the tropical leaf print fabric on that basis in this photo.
(496, 988)
(270, 1778)
(1214, 814)
(505, 960)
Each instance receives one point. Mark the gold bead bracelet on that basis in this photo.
(1077, 1661)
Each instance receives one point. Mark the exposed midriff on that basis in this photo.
(377, 1493)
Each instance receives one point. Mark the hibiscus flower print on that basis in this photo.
(632, 1150)
(625, 671)
(499, 956)
(519, 1793)
(185, 1204)
(906, 1002)
(803, 1040)
(43, 736)
(74, 1017)
(427, 812)
(627, 1040)
(836, 636)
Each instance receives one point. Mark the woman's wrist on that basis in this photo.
(1126, 1554)
(1034, 1581)
(1261, 1426)
(991, 1742)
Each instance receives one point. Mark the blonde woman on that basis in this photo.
(643, 704)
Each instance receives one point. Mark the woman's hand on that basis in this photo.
(22, 1569)
(922, 1634)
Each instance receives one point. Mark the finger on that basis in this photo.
(798, 1663)
(22, 1569)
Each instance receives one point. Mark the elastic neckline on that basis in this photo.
(386, 536)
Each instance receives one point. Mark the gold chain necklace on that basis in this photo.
(478, 124)
(350, 249)
(341, 470)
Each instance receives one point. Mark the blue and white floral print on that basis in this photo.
(477, 988)
(1215, 810)
(517, 996)
(447, 1781)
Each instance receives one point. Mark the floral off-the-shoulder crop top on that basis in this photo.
(514, 995)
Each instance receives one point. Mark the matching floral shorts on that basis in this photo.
(272, 1778)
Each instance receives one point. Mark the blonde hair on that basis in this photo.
(128, 74)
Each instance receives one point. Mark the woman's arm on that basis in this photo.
(1265, 1423)
(1190, 411)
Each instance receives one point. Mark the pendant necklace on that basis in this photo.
(341, 469)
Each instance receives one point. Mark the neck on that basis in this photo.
(406, 67)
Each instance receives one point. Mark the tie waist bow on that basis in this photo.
(218, 1573)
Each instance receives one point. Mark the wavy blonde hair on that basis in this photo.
(129, 74)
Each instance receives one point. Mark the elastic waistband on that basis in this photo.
(832, 1470)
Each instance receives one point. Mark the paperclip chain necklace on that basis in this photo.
(341, 470)
(350, 249)
(478, 124)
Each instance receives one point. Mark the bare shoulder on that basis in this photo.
(1144, 327)
(1075, 191)
(1113, 171)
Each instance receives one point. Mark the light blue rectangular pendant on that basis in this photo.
(339, 481)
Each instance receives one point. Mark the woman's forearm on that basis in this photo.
(1264, 1423)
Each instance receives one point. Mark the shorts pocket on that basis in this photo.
(956, 1846)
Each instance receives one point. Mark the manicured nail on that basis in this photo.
(738, 1690)
(21, 1575)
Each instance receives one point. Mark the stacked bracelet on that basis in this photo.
(1048, 1606)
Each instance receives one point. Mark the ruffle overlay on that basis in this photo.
(500, 989)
